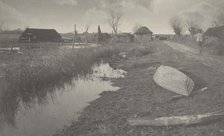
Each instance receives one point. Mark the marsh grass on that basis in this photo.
(37, 72)
(39, 68)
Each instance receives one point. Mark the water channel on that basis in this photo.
(43, 116)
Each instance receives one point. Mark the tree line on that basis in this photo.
(193, 26)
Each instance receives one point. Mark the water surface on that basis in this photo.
(43, 116)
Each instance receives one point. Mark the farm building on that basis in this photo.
(213, 41)
(215, 32)
(40, 35)
(163, 36)
(125, 37)
(143, 34)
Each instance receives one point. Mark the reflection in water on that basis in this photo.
(102, 71)
(52, 108)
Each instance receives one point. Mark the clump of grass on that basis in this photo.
(37, 68)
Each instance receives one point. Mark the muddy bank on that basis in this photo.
(139, 96)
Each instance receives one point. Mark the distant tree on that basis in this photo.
(114, 18)
(219, 20)
(176, 24)
(193, 26)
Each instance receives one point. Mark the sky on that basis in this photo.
(63, 14)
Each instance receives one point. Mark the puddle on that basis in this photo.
(9, 49)
(43, 116)
(101, 71)
(79, 45)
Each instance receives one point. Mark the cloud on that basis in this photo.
(146, 4)
(94, 17)
(67, 2)
(12, 18)
(95, 14)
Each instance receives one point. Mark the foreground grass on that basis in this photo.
(140, 96)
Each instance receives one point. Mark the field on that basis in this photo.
(35, 70)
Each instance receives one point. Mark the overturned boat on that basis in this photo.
(186, 120)
(173, 80)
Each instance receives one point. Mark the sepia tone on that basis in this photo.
(111, 68)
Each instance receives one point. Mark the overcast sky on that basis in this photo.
(62, 14)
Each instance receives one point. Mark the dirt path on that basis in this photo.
(212, 61)
(184, 49)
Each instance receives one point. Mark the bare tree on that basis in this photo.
(86, 31)
(114, 20)
(176, 24)
(193, 26)
(219, 20)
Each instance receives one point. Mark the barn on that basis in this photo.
(40, 35)
(214, 41)
(215, 32)
(143, 34)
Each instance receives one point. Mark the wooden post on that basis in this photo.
(74, 37)
(12, 47)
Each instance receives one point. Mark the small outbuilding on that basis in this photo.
(125, 37)
(214, 41)
(215, 32)
(40, 35)
(143, 34)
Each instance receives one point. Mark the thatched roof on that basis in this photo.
(216, 32)
(143, 30)
(41, 35)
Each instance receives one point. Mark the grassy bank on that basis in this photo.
(140, 96)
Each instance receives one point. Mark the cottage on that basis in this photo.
(163, 36)
(217, 32)
(143, 34)
(125, 37)
(40, 35)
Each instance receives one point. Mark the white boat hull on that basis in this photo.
(173, 80)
